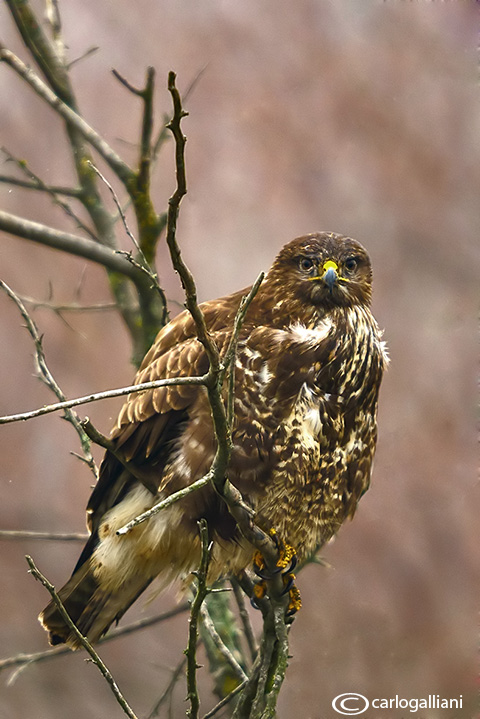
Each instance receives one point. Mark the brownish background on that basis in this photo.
(356, 117)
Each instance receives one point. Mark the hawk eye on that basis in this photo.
(306, 264)
(350, 264)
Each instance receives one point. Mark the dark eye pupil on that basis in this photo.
(306, 263)
(351, 263)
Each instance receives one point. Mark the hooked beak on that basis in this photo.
(330, 276)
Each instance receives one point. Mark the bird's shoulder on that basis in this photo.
(176, 352)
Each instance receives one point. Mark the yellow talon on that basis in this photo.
(259, 590)
(287, 555)
(295, 600)
(258, 561)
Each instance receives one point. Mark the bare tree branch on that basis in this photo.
(121, 169)
(164, 503)
(72, 244)
(142, 318)
(226, 700)
(121, 392)
(50, 189)
(275, 638)
(119, 208)
(21, 660)
(55, 199)
(48, 379)
(220, 645)
(201, 593)
(167, 693)
(73, 307)
(144, 265)
(57, 536)
(245, 619)
(83, 640)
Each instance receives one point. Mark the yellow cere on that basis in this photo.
(329, 264)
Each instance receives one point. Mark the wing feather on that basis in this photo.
(151, 422)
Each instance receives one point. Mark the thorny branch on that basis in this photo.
(274, 662)
(200, 594)
(83, 640)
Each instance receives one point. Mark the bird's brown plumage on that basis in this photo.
(309, 365)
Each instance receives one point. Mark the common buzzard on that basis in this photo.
(308, 369)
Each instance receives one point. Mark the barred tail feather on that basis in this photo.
(90, 607)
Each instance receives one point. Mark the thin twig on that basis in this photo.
(121, 169)
(123, 81)
(226, 700)
(163, 135)
(168, 689)
(83, 640)
(164, 503)
(98, 438)
(73, 307)
(51, 189)
(54, 19)
(245, 619)
(95, 397)
(57, 536)
(21, 660)
(119, 207)
(201, 593)
(48, 379)
(81, 57)
(220, 645)
(143, 265)
(41, 185)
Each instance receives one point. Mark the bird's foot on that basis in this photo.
(285, 565)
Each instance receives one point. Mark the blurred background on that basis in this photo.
(358, 118)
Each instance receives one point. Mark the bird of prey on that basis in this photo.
(308, 369)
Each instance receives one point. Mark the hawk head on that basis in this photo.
(323, 269)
